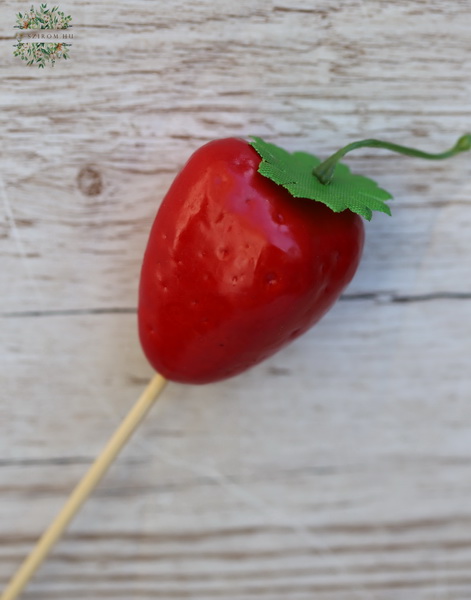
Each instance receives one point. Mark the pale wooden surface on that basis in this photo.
(341, 468)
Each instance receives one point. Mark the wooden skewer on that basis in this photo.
(83, 490)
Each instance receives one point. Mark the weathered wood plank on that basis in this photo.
(359, 484)
(339, 469)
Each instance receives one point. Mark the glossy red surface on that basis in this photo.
(235, 267)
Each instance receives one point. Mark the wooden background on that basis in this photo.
(341, 468)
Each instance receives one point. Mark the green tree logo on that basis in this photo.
(40, 53)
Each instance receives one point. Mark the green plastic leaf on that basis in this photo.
(346, 190)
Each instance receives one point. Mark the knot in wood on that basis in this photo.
(89, 181)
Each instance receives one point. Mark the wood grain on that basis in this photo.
(340, 468)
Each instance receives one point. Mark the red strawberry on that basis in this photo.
(236, 267)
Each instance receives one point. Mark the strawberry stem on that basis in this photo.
(325, 171)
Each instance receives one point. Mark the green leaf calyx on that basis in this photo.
(345, 191)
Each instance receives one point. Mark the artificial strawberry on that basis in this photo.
(250, 247)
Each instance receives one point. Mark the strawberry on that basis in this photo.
(241, 261)
(236, 267)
